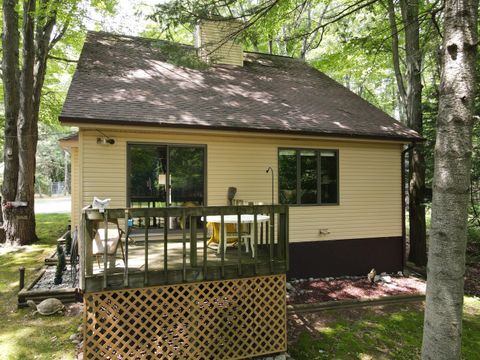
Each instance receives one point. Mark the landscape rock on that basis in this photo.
(290, 287)
(387, 279)
(377, 278)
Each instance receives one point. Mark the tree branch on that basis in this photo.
(62, 59)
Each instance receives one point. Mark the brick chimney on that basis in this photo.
(216, 44)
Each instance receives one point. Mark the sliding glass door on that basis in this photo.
(166, 175)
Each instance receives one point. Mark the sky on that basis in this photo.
(130, 17)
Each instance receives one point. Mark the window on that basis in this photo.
(308, 176)
(166, 175)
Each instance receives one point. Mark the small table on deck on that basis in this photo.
(233, 219)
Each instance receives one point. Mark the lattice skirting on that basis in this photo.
(226, 319)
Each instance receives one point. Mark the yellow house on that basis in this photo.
(161, 127)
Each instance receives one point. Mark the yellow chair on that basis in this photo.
(215, 237)
(231, 230)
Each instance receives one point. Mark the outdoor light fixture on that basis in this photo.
(104, 140)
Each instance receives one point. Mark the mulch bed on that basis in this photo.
(47, 280)
(345, 288)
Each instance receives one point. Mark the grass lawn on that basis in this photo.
(390, 332)
(22, 335)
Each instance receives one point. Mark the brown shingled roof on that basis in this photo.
(130, 80)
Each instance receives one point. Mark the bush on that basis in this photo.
(60, 265)
(473, 235)
(68, 242)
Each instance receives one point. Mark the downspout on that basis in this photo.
(404, 230)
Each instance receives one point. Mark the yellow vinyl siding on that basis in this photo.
(75, 206)
(213, 47)
(369, 178)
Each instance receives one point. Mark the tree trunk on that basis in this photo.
(10, 77)
(410, 98)
(416, 209)
(446, 257)
(23, 221)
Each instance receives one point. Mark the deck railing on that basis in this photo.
(170, 245)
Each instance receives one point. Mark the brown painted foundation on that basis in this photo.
(345, 257)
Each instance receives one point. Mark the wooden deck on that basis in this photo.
(159, 256)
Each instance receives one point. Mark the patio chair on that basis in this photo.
(232, 235)
(114, 240)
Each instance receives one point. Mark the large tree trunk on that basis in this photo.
(20, 222)
(446, 258)
(23, 91)
(410, 98)
(10, 72)
(416, 209)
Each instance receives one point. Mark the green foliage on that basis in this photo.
(60, 265)
(50, 158)
(183, 56)
(474, 234)
(68, 242)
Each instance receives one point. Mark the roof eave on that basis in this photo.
(90, 121)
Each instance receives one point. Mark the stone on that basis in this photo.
(281, 357)
(383, 273)
(387, 279)
(377, 278)
(73, 337)
(80, 328)
(400, 273)
(290, 287)
(76, 341)
(311, 279)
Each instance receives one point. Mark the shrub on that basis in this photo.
(60, 265)
(68, 242)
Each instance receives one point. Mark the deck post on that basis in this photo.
(145, 273)
(193, 241)
(165, 248)
(272, 237)
(105, 250)
(184, 246)
(127, 231)
(82, 251)
(255, 240)
(239, 241)
(222, 243)
(205, 248)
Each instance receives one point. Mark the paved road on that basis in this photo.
(52, 205)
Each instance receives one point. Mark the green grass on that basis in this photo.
(393, 332)
(22, 334)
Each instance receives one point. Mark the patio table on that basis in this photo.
(233, 219)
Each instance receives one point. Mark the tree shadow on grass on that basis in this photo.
(382, 332)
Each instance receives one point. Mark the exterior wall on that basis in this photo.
(370, 175)
(75, 202)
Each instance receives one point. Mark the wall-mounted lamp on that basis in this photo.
(105, 141)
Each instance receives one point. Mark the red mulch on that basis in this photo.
(320, 290)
